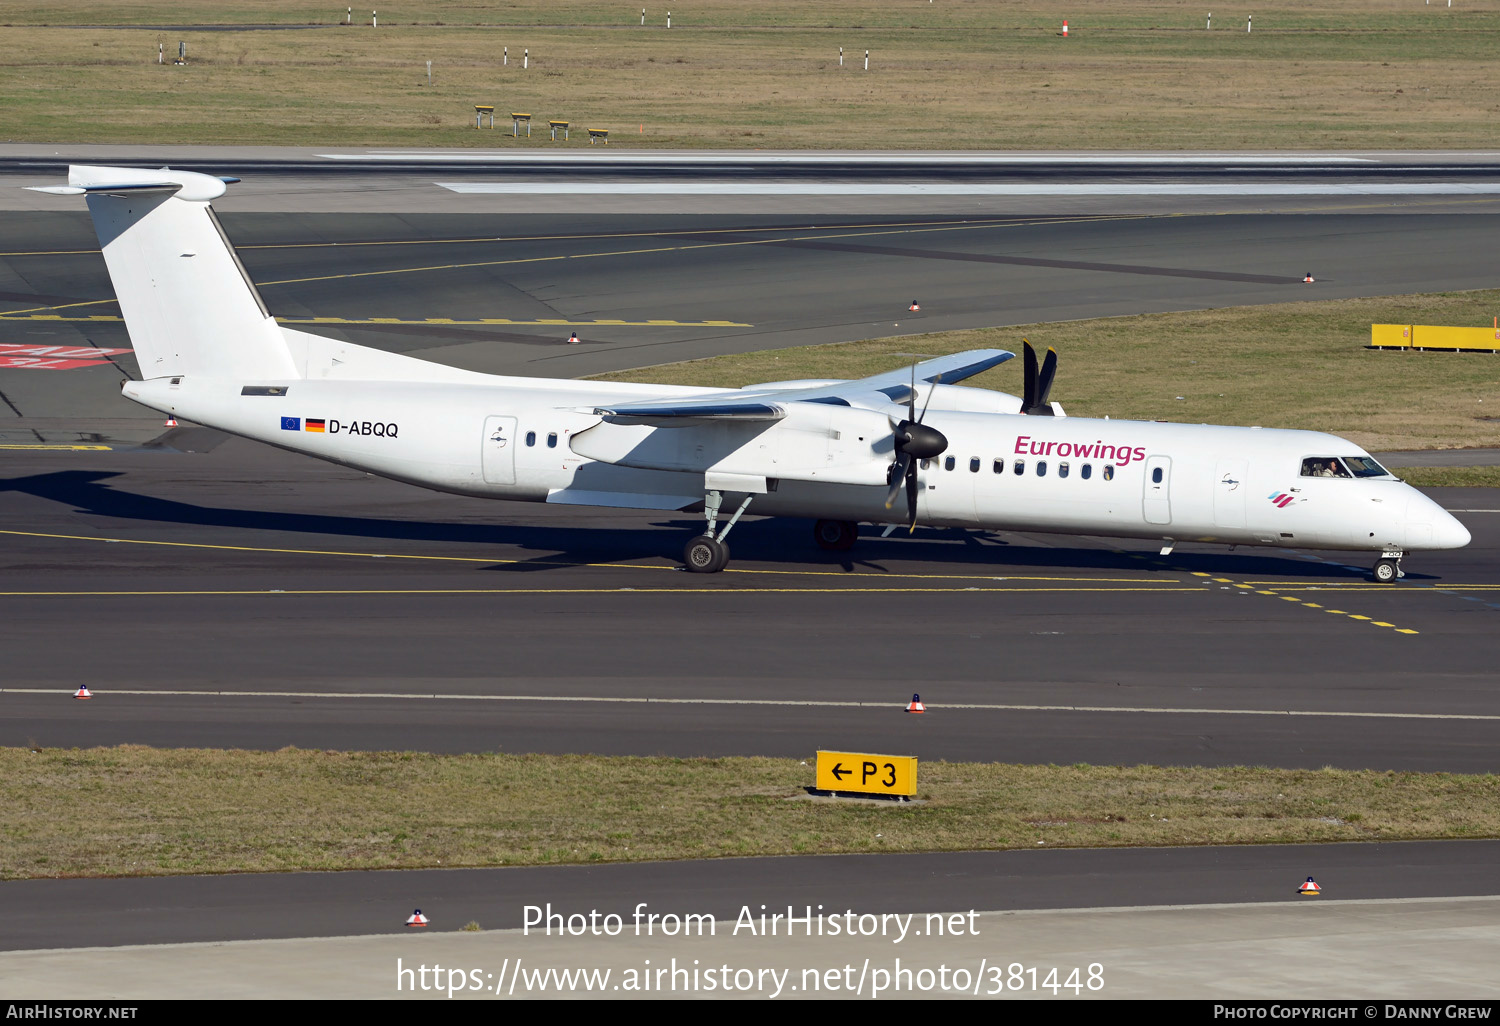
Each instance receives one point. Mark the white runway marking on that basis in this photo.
(800, 703)
(795, 188)
(847, 159)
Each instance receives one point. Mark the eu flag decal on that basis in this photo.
(291, 423)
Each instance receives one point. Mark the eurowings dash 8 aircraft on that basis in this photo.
(840, 453)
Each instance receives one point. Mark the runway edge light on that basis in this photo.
(83, 692)
(1310, 887)
(416, 919)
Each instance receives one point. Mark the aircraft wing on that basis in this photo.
(770, 404)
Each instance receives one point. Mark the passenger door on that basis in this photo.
(1156, 503)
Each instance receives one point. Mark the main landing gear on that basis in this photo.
(706, 553)
(1388, 567)
(835, 535)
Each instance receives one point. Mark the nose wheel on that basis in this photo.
(1388, 568)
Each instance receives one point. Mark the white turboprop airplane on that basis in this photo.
(838, 452)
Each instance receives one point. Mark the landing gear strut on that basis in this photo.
(1388, 567)
(706, 553)
(835, 535)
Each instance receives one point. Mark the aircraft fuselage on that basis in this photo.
(1072, 475)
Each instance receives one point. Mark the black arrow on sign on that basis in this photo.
(839, 772)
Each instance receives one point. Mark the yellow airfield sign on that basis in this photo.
(862, 773)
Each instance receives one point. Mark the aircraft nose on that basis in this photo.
(1430, 526)
(1448, 533)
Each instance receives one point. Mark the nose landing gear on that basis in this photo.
(1388, 567)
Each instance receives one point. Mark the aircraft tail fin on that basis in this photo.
(188, 304)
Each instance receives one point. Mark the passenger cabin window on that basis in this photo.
(1109, 472)
(1062, 470)
(531, 438)
(1156, 475)
(1364, 466)
(1020, 467)
(1086, 471)
(1041, 468)
(1324, 466)
(552, 439)
(974, 465)
(999, 466)
(948, 463)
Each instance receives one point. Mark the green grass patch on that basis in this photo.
(137, 811)
(1450, 477)
(1284, 365)
(960, 74)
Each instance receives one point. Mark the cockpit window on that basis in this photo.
(1364, 466)
(1324, 466)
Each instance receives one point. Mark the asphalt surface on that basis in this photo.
(503, 293)
(278, 575)
(181, 562)
(1243, 171)
(64, 913)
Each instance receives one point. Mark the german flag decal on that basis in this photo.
(314, 424)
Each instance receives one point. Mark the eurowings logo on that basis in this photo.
(1281, 499)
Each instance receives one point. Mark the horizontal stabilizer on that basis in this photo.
(118, 189)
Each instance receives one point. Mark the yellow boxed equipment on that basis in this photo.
(1390, 336)
(1429, 336)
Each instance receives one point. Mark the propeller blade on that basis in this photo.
(1028, 380)
(931, 389)
(911, 496)
(899, 472)
(1035, 399)
(1044, 382)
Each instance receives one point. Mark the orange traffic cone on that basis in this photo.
(82, 692)
(171, 421)
(915, 306)
(1307, 278)
(916, 706)
(573, 339)
(1310, 887)
(416, 919)
(1065, 30)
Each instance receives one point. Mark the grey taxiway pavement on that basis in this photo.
(221, 593)
(321, 607)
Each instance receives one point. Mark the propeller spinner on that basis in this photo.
(914, 441)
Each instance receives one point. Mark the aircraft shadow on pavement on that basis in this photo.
(777, 541)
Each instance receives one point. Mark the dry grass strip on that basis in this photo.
(958, 74)
(144, 811)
